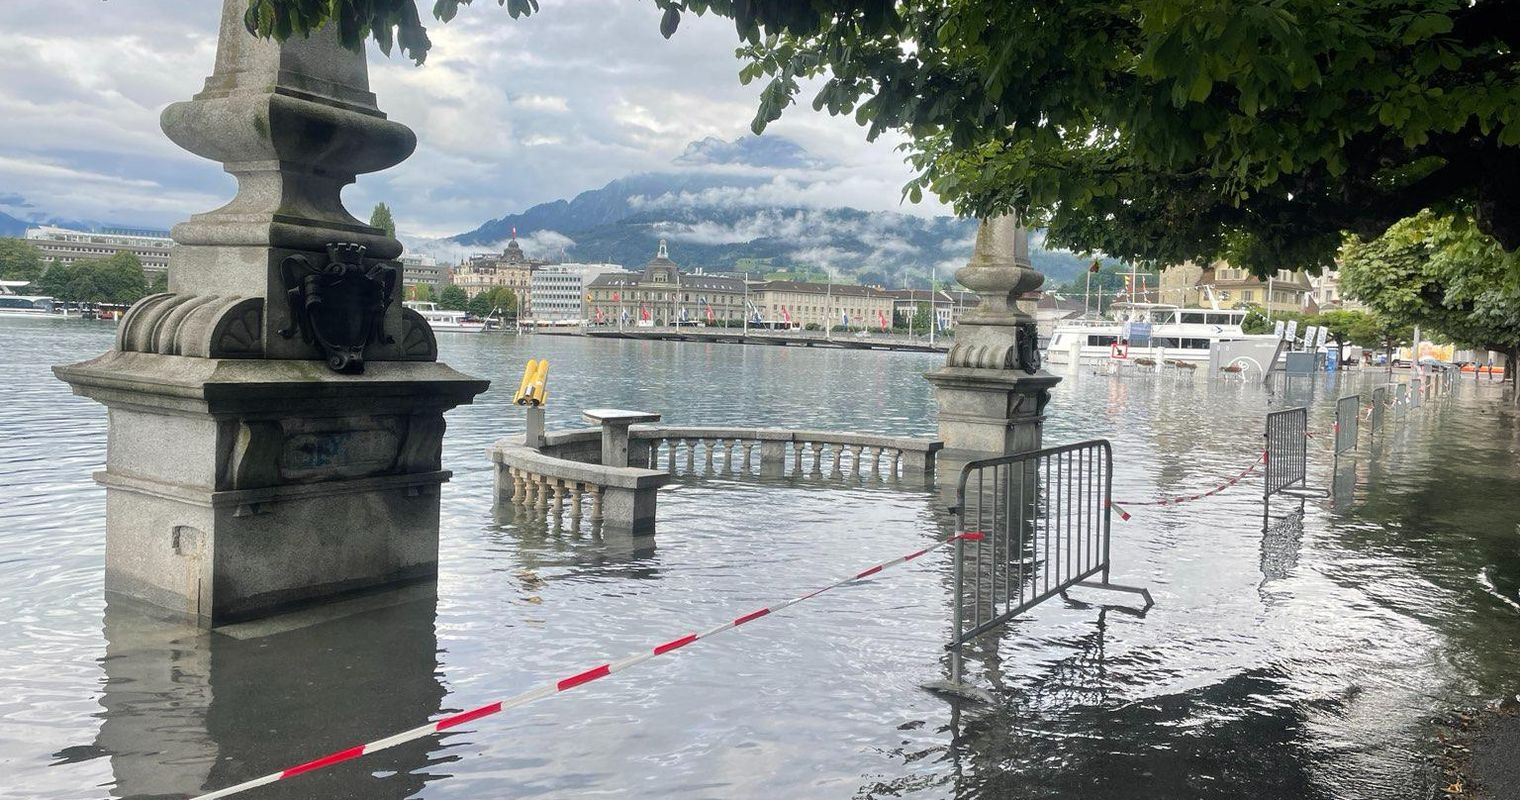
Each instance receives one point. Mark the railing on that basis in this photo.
(1401, 398)
(565, 479)
(782, 453)
(1379, 403)
(1348, 420)
(1287, 450)
(1043, 518)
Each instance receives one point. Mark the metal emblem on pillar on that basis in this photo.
(339, 305)
(992, 391)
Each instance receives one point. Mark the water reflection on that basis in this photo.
(186, 711)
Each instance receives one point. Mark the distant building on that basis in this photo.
(823, 305)
(1218, 285)
(661, 294)
(512, 269)
(1328, 295)
(417, 270)
(558, 291)
(65, 246)
(948, 304)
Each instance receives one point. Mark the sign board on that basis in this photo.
(1278, 329)
(1310, 333)
(1138, 333)
(1292, 330)
(1324, 334)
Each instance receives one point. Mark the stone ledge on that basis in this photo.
(524, 457)
(275, 494)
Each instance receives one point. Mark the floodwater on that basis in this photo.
(1304, 662)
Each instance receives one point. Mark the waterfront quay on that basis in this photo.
(775, 338)
(1307, 662)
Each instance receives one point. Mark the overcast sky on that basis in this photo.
(508, 113)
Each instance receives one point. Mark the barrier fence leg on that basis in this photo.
(957, 623)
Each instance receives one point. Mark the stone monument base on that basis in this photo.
(237, 488)
(985, 413)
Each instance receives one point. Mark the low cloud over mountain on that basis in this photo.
(754, 203)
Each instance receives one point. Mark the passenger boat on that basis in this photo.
(444, 321)
(1154, 332)
(26, 305)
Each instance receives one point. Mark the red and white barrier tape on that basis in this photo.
(1118, 505)
(564, 684)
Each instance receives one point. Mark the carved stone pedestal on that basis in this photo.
(991, 391)
(237, 488)
(276, 418)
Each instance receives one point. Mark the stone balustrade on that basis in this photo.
(772, 452)
(564, 478)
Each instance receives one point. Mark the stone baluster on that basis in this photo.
(514, 475)
(855, 459)
(577, 489)
(817, 450)
(728, 455)
(876, 461)
(711, 445)
(896, 460)
(541, 493)
(749, 451)
(835, 465)
(596, 503)
(796, 458)
(691, 456)
(557, 498)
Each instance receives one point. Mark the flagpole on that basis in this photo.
(933, 312)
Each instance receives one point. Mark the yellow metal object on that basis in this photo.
(532, 390)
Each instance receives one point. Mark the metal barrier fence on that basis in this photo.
(1401, 398)
(1379, 402)
(1348, 421)
(1044, 518)
(1287, 449)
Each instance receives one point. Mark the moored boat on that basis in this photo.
(445, 321)
(1152, 332)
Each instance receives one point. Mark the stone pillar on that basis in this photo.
(991, 391)
(276, 417)
(772, 458)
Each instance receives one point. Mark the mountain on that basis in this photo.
(11, 226)
(743, 205)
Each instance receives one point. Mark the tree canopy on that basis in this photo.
(1158, 129)
(1440, 272)
(19, 260)
(453, 298)
(114, 279)
(381, 218)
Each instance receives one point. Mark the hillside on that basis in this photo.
(742, 205)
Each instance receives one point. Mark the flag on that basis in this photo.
(625, 315)
(710, 315)
(598, 315)
(643, 312)
(1096, 265)
(786, 316)
(1128, 290)
(846, 317)
(617, 298)
(882, 318)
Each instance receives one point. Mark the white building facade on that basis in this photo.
(558, 291)
(65, 246)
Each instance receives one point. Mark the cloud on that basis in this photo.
(508, 113)
(546, 245)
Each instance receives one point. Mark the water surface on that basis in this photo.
(1301, 662)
